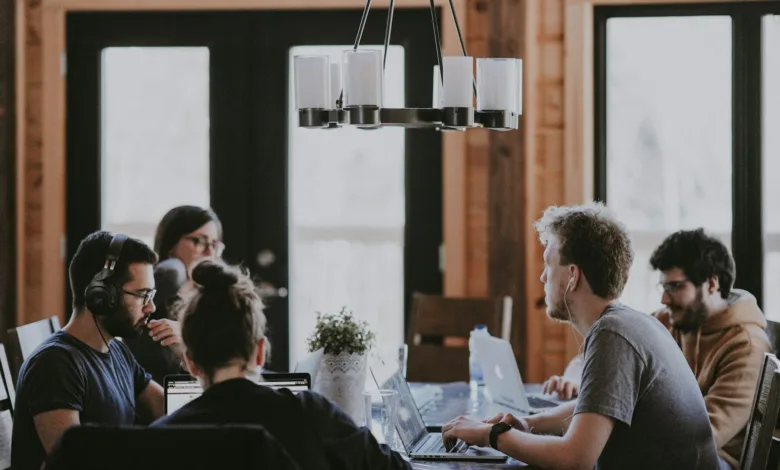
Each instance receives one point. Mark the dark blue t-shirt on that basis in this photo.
(64, 373)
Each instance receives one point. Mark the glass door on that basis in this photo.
(194, 108)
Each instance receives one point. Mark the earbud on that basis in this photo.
(571, 281)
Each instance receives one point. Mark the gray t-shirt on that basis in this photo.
(635, 373)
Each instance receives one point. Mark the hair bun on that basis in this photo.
(212, 274)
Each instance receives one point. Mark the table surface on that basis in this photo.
(440, 403)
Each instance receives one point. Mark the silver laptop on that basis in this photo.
(502, 377)
(310, 364)
(417, 441)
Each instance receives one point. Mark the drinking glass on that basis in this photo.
(381, 413)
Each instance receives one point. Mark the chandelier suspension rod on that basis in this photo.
(437, 40)
(388, 29)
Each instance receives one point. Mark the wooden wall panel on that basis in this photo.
(31, 231)
(513, 177)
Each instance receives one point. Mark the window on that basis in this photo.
(679, 141)
(347, 217)
(668, 116)
(155, 144)
(771, 164)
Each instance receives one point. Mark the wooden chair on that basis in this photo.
(758, 448)
(439, 333)
(23, 340)
(7, 399)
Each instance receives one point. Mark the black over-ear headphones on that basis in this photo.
(101, 296)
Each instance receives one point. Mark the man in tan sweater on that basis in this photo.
(720, 331)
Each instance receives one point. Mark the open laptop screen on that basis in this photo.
(182, 389)
(410, 424)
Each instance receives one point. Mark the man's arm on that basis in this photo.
(152, 400)
(348, 446)
(578, 449)
(50, 425)
(554, 421)
(730, 398)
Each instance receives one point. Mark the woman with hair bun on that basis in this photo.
(223, 328)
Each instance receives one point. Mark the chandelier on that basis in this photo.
(329, 96)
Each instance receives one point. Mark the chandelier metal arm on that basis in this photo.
(388, 30)
(437, 39)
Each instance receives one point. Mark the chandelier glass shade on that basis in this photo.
(350, 93)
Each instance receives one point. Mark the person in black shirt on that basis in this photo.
(80, 374)
(185, 235)
(223, 330)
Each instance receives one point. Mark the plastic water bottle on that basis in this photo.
(476, 377)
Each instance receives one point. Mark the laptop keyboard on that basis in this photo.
(537, 402)
(435, 445)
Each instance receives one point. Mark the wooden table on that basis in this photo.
(455, 400)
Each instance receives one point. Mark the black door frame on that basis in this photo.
(234, 38)
(747, 229)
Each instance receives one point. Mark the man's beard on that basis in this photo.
(559, 311)
(119, 324)
(693, 316)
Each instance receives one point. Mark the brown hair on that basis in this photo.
(221, 316)
(592, 239)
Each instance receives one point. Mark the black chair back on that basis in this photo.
(93, 447)
(757, 449)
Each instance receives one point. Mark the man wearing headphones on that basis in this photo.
(80, 374)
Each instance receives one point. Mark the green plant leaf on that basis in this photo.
(338, 333)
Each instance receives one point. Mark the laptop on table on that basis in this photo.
(182, 389)
(502, 377)
(417, 441)
(310, 364)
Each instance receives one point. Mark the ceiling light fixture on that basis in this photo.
(351, 93)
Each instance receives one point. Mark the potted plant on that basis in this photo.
(342, 374)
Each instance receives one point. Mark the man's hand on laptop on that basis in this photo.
(474, 433)
(518, 423)
(565, 387)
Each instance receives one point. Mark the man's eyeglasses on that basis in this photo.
(672, 287)
(148, 296)
(201, 243)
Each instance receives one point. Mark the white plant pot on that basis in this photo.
(342, 379)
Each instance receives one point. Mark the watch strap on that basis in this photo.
(495, 431)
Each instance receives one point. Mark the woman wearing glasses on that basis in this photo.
(185, 235)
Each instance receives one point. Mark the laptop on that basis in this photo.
(182, 389)
(310, 364)
(417, 441)
(502, 377)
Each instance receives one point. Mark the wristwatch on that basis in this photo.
(497, 429)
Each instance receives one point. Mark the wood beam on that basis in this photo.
(508, 176)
